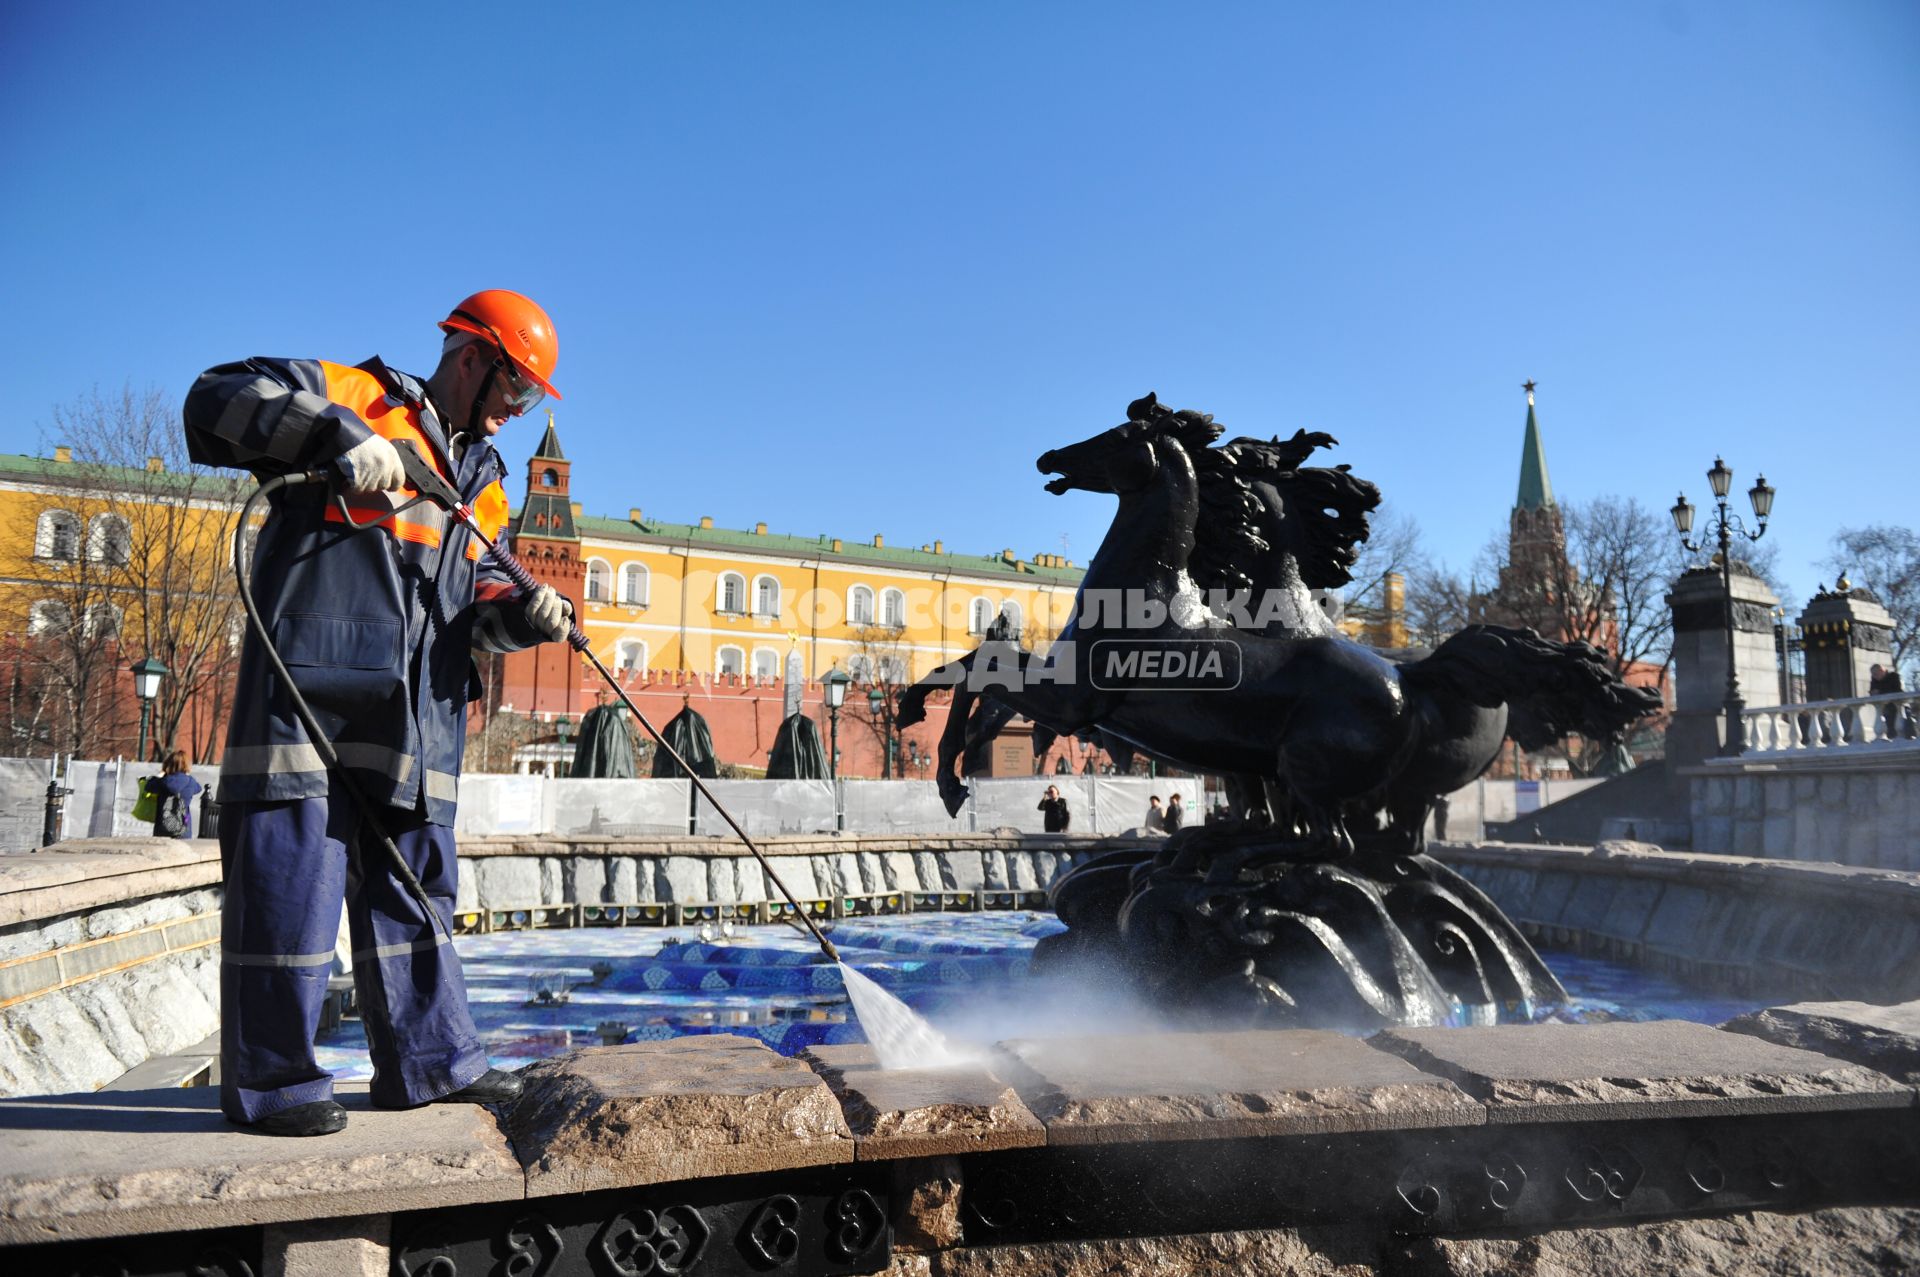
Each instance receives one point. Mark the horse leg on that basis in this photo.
(912, 709)
(982, 727)
(951, 748)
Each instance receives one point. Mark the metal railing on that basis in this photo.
(1857, 723)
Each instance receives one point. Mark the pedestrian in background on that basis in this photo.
(174, 791)
(1156, 822)
(1176, 814)
(1057, 817)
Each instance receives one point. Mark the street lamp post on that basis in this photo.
(834, 688)
(147, 674)
(1725, 526)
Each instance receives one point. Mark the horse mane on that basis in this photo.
(1328, 507)
(1195, 431)
(1324, 511)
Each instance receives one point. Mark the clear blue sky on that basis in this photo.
(849, 268)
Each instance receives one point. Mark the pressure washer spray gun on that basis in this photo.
(428, 481)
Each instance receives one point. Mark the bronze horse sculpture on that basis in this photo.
(1322, 886)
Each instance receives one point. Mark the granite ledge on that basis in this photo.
(1883, 1038)
(657, 1112)
(898, 1113)
(1655, 1069)
(1228, 1085)
(128, 1162)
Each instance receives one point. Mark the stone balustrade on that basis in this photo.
(1830, 727)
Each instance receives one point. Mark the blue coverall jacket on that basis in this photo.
(376, 626)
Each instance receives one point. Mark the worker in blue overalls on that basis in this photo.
(375, 611)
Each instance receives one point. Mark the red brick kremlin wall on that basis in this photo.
(744, 716)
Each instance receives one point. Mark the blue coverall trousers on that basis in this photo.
(288, 866)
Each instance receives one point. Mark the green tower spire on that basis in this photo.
(1536, 490)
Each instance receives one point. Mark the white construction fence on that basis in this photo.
(101, 804)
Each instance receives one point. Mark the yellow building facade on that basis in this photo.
(716, 601)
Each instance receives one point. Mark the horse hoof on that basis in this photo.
(953, 794)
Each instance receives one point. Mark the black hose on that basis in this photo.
(432, 488)
(243, 573)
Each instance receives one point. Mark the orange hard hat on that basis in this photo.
(516, 325)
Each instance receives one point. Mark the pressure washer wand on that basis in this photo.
(429, 483)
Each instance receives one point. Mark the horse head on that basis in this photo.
(1127, 458)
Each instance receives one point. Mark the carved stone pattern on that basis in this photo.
(1703, 1167)
(1872, 638)
(857, 1221)
(1603, 1175)
(770, 1233)
(1711, 614)
(643, 1242)
(530, 1248)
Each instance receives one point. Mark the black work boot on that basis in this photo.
(491, 1087)
(322, 1117)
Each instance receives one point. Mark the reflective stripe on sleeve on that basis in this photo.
(442, 785)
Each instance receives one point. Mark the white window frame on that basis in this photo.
(980, 614)
(604, 571)
(720, 595)
(46, 535)
(773, 658)
(1011, 609)
(720, 669)
(89, 624)
(49, 616)
(102, 540)
(855, 612)
(631, 573)
(893, 609)
(630, 656)
(764, 581)
(893, 669)
(860, 667)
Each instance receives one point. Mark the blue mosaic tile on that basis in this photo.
(967, 972)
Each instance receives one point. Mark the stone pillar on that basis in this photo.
(1700, 658)
(1846, 632)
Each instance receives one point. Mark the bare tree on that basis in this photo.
(1439, 604)
(1886, 559)
(1392, 548)
(65, 628)
(1606, 585)
(881, 668)
(159, 548)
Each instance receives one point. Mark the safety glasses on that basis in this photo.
(521, 395)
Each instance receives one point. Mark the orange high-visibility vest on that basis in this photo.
(393, 419)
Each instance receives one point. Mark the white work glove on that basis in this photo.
(548, 613)
(372, 465)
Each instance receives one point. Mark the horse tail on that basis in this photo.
(1550, 689)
